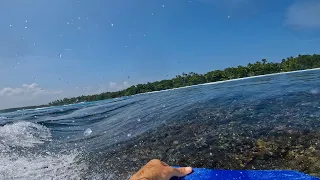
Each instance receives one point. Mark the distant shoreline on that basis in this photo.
(218, 82)
(302, 63)
(238, 79)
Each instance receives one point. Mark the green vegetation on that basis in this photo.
(300, 62)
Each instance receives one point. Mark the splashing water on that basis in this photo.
(191, 125)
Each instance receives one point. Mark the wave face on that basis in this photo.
(270, 122)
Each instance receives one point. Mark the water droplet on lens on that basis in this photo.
(129, 135)
(87, 132)
(138, 119)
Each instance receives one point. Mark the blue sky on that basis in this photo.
(63, 48)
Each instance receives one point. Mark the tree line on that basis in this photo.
(301, 62)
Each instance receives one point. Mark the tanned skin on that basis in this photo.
(158, 170)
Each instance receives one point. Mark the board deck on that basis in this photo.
(207, 174)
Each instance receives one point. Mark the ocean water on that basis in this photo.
(268, 122)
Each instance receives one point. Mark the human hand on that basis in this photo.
(158, 170)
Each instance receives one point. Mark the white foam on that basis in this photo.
(36, 167)
(23, 134)
(20, 160)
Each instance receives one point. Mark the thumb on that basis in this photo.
(183, 171)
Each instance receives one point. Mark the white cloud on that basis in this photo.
(125, 83)
(33, 94)
(101, 88)
(113, 86)
(304, 14)
(26, 89)
(26, 95)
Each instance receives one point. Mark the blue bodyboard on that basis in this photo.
(207, 174)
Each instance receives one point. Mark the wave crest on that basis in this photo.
(23, 134)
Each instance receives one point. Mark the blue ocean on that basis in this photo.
(266, 122)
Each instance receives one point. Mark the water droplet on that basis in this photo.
(138, 119)
(210, 154)
(112, 25)
(151, 14)
(26, 21)
(25, 27)
(10, 25)
(68, 23)
(79, 18)
(129, 135)
(228, 16)
(34, 44)
(87, 132)
(60, 55)
(163, 5)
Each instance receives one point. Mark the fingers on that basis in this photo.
(169, 171)
(180, 172)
